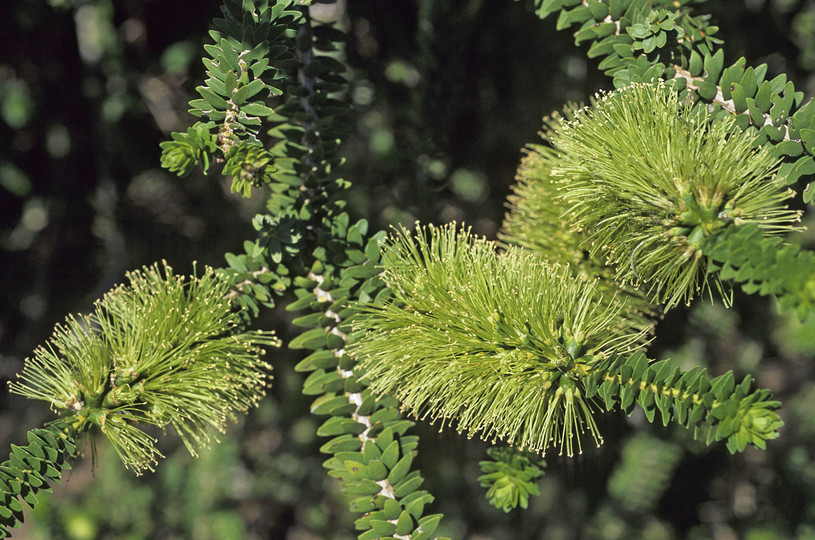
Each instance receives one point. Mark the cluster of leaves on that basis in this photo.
(31, 468)
(766, 266)
(262, 272)
(510, 477)
(724, 410)
(375, 467)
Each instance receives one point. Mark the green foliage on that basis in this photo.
(466, 332)
(250, 165)
(262, 272)
(766, 266)
(243, 67)
(511, 478)
(718, 407)
(161, 350)
(186, 150)
(644, 473)
(247, 63)
(31, 468)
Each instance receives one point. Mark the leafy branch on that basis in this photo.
(161, 351)
(31, 468)
(511, 477)
(717, 406)
(514, 349)
(247, 63)
(766, 266)
(309, 247)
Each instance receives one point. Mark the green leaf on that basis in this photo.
(339, 426)
(326, 403)
(763, 95)
(362, 504)
(256, 109)
(713, 66)
(390, 455)
(361, 487)
(404, 523)
(401, 469)
(213, 99)
(707, 90)
(342, 443)
(316, 338)
(428, 524)
(696, 64)
(248, 91)
(322, 381)
(408, 485)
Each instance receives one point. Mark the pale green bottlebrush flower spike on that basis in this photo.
(535, 218)
(162, 350)
(536, 221)
(648, 179)
(496, 344)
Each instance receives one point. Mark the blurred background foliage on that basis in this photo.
(446, 93)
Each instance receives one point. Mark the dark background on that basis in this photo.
(446, 94)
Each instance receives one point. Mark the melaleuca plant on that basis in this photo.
(526, 346)
(678, 185)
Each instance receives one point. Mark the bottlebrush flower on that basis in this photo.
(496, 343)
(162, 350)
(648, 179)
